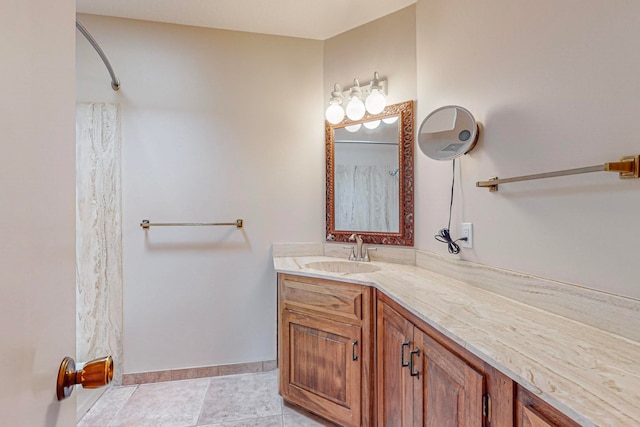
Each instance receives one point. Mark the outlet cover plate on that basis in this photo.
(467, 231)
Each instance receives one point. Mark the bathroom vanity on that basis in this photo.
(425, 379)
(399, 345)
(326, 347)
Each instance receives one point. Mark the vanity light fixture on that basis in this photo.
(376, 101)
(370, 98)
(335, 112)
(355, 107)
(353, 128)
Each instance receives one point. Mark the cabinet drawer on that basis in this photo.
(324, 297)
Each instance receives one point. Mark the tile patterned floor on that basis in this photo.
(248, 400)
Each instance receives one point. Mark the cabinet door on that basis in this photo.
(530, 418)
(448, 392)
(531, 411)
(395, 385)
(322, 367)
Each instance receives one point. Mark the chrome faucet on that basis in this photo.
(360, 253)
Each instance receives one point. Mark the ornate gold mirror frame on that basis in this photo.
(404, 236)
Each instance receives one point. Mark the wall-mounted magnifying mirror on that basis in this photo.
(447, 133)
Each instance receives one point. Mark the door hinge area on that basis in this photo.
(486, 407)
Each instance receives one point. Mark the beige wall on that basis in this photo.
(556, 85)
(37, 239)
(386, 45)
(216, 125)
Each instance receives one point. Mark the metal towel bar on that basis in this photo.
(146, 224)
(628, 167)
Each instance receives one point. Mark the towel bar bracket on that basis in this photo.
(628, 166)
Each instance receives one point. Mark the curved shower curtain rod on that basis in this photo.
(115, 83)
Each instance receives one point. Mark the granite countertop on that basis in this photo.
(591, 375)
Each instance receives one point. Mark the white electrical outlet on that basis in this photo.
(467, 231)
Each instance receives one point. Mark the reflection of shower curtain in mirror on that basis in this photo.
(367, 198)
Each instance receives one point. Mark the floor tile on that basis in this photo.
(107, 407)
(241, 397)
(247, 400)
(293, 417)
(275, 421)
(167, 404)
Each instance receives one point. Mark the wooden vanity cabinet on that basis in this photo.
(531, 411)
(325, 348)
(448, 392)
(395, 385)
(424, 379)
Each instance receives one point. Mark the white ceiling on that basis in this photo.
(313, 19)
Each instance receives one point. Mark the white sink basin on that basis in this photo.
(345, 267)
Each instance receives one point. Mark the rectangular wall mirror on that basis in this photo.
(370, 177)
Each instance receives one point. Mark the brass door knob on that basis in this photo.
(94, 374)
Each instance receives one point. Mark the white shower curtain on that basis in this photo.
(367, 198)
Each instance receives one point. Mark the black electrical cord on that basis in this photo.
(443, 235)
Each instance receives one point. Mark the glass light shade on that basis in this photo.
(375, 102)
(334, 113)
(390, 120)
(353, 128)
(355, 108)
(372, 124)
